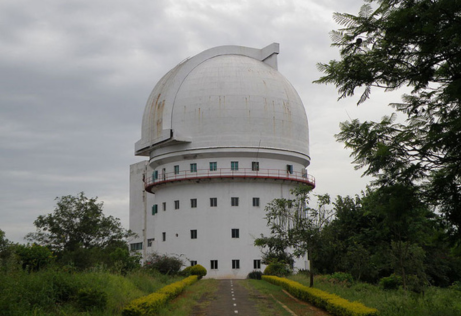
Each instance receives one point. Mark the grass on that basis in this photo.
(435, 301)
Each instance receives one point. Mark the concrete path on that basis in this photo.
(231, 298)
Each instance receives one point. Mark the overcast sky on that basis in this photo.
(75, 77)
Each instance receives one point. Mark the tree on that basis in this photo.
(414, 43)
(78, 223)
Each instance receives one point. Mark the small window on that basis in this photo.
(193, 263)
(255, 165)
(164, 206)
(150, 241)
(213, 264)
(290, 169)
(193, 203)
(176, 169)
(193, 234)
(136, 246)
(213, 202)
(176, 205)
(234, 165)
(235, 264)
(213, 166)
(163, 236)
(235, 233)
(155, 175)
(257, 264)
(154, 209)
(256, 202)
(193, 167)
(234, 201)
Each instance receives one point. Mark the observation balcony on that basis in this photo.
(222, 173)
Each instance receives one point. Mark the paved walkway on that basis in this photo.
(231, 298)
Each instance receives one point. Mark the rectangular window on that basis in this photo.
(193, 203)
(163, 236)
(193, 234)
(150, 241)
(234, 165)
(155, 175)
(176, 205)
(136, 246)
(255, 165)
(176, 169)
(257, 264)
(213, 202)
(256, 202)
(193, 263)
(213, 166)
(213, 264)
(290, 169)
(235, 264)
(154, 209)
(164, 206)
(235, 233)
(193, 167)
(234, 201)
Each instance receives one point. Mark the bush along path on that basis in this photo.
(150, 304)
(330, 302)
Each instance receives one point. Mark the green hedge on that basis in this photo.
(330, 302)
(152, 303)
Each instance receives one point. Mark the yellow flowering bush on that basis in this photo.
(150, 304)
(332, 303)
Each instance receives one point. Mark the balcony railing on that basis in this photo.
(222, 173)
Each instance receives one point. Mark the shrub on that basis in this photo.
(186, 271)
(391, 282)
(341, 277)
(256, 275)
(198, 270)
(90, 298)
(277, 269)
(163, 263)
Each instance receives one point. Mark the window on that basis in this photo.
(234, 201)
(136, 246)
(213, 264)
(163, 236)
(193, 167)
(164, 206)
(255, 165)
(235, 233)
(176, 169)
(149, 242)
(176, 205)
(154, 209)
(155, 175)
(235, 264)
(193, 234)
(193, 263)
(193, 203)
(234, 165)
(290, 169)
(213, 202)
(256, 202)
(257, 264)
(213, 166)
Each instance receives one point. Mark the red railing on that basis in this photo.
(277, 174)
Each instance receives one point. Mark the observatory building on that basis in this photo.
(223, 133)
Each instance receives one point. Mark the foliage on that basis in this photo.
(198, 270)
(163, 263)
(391, 282)
(34, 257)
(277, 269)
(341, 278)
(330, 302)
(89, 298)
(413, 43)
(255, 274)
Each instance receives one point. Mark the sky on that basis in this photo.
(75, 77)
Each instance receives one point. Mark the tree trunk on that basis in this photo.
(311, 273)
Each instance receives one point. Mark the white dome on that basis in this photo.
(226, 97)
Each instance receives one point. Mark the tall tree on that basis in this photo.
(415, 43)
